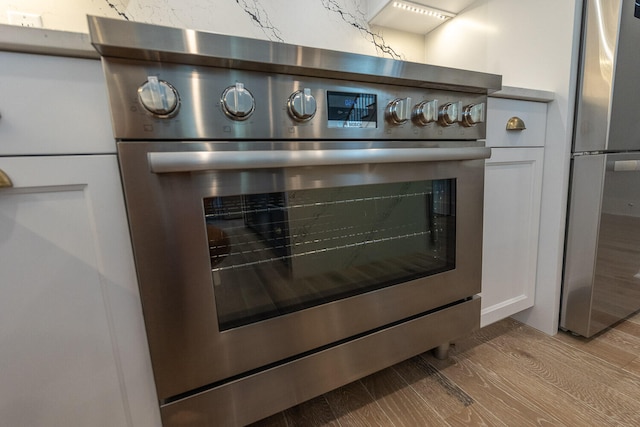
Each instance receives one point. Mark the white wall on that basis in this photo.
(329, 24)
(533, 45)
(529, 43)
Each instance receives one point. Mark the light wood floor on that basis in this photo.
(506, 374)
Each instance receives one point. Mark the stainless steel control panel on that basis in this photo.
(168, 101)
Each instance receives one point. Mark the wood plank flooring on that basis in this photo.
(506, 374)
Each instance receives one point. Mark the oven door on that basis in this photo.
(252, 253)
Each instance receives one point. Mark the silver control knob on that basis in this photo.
(449, 114)
(237, 102)
(159, 97)
(472, 114)
(398, 111)
(425, 112)
(302, 105)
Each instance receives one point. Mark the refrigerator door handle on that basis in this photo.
(623, 166)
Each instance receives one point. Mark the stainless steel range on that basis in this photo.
(300, 217)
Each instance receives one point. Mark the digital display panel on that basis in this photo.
(352, 110)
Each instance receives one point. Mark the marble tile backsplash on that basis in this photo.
(328, 24)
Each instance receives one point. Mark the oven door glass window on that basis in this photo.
(276, 253)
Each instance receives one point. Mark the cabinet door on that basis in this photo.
(67, 284)
(513, 184)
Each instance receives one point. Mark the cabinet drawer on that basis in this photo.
(53, 105)
(500, 110)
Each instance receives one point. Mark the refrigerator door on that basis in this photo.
(599, 38)
(624, 128)
(602, 260)
(607, 113)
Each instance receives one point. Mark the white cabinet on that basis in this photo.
(513, 185)
(73, 348)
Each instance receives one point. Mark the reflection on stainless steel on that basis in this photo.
(288, 237)
(602, 253)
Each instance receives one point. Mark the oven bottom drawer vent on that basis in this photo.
(256, 396)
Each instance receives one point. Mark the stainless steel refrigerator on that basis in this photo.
(601, 283)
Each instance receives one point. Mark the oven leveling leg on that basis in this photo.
(442, 351)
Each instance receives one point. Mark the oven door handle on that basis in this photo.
(192, 161)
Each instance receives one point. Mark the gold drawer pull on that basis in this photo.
(515, 123)
(5, 181)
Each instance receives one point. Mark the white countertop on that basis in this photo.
(524, 94)
(47, 42)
